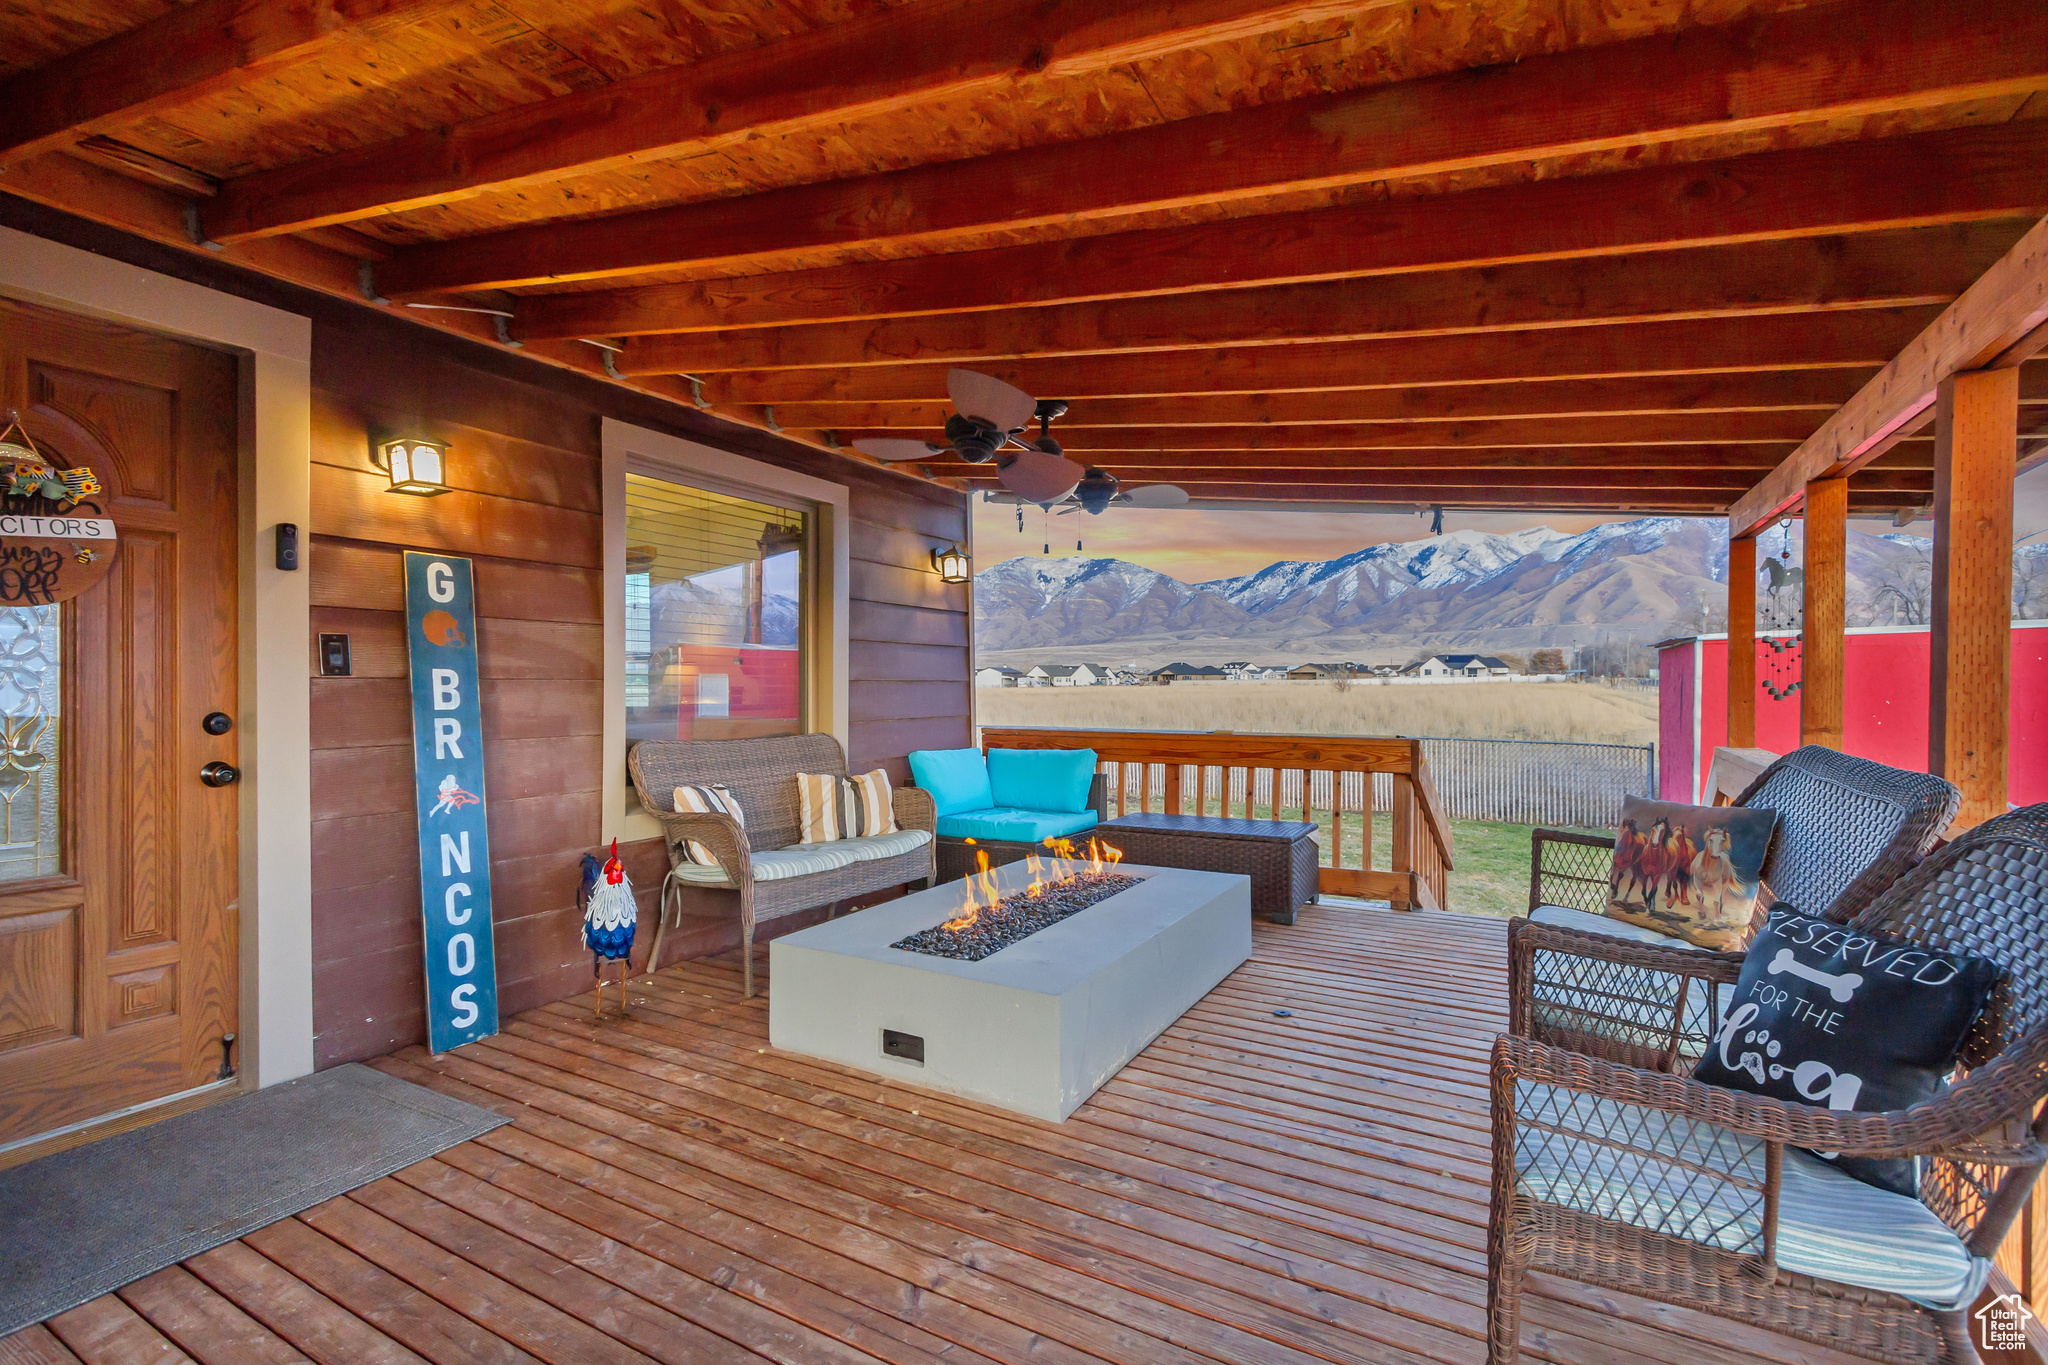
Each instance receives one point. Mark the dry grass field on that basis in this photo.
(1590, 712)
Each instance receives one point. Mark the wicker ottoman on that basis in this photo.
(1278, 855)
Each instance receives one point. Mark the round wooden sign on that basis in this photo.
(48, 555)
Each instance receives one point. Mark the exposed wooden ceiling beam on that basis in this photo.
(1868, 270)
(1696, 502)
(105, 151)
(1991, 322)
(1860, 339)
(884, 60)
(1824, 62)
(1793, 390)
(1194, 477)
(1723, 483)
(154, 214)
(1503, 461)
(1950, 176)
(191, 50)
(1655, 429)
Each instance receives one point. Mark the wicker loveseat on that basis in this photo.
(1695, 1195)
(1847, 828)
(773, 874)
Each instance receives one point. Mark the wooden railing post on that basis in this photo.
(1173, 806)
(1365, 821)
(1976, 420)
(1404, 838)
(1824, 633)
(1741, 643)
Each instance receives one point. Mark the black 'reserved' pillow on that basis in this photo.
(1823, 1015)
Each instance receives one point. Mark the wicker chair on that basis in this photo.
(1652, 1183)
(762, 775)
(1847, 828)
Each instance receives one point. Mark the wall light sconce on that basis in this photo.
(950, 563)
(416, 465)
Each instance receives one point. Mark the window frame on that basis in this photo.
(627, 448)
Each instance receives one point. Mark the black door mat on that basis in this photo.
(78, 1223)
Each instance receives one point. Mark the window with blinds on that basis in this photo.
(717, 599)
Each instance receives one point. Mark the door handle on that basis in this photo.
(219, 774)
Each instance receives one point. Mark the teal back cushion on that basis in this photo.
(956, 778)
(1041, 779)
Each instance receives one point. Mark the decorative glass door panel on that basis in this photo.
(31, 704)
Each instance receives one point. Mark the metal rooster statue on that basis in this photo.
(610, 915)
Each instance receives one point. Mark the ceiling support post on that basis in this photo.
(1742, 642)
(1970, 693)
(1823, 648)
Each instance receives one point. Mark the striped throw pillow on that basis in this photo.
(833, 807)
(716, 798)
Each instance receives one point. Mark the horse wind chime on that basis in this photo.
(610, 914)
(1783, 609)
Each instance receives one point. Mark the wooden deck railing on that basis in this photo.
(1338, 782)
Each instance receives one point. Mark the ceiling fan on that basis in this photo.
(989, 420)
(1099, 490)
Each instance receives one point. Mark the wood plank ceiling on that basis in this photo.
(1537, 253)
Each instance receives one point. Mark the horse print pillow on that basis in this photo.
(1689, 871)
(1825, 1015)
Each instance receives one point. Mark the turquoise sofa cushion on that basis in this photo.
(956, 778)
(1041, 779)
(1014, 826)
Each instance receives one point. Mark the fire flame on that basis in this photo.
(1066, 863)
(984, 878)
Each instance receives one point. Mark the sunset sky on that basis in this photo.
(1194, 546)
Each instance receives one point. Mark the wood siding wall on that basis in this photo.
(526, 466)
(526, 508)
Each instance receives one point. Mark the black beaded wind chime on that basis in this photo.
(1782, 609)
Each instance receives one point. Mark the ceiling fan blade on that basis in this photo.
(893, 449)
(1039, 477)
(1002, 406)
(1155, 495)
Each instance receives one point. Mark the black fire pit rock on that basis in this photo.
(1017, 917)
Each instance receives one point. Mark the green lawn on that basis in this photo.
(1490, 875)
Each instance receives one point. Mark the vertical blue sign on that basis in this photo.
(448, 767)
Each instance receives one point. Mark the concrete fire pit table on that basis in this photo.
(1035, 1028)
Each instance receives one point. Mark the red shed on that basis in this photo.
(1885, 715)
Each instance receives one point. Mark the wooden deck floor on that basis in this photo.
(1250, 1189)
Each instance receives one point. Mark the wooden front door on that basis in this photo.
(117, 863)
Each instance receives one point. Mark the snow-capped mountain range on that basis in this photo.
(1460, 590)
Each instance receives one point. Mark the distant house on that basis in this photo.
(1179, 672)
(1330, 672)
(1069, 675)
(1458, 666)
(996, 677)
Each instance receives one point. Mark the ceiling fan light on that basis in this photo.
(976, 441)
(1096, 489)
